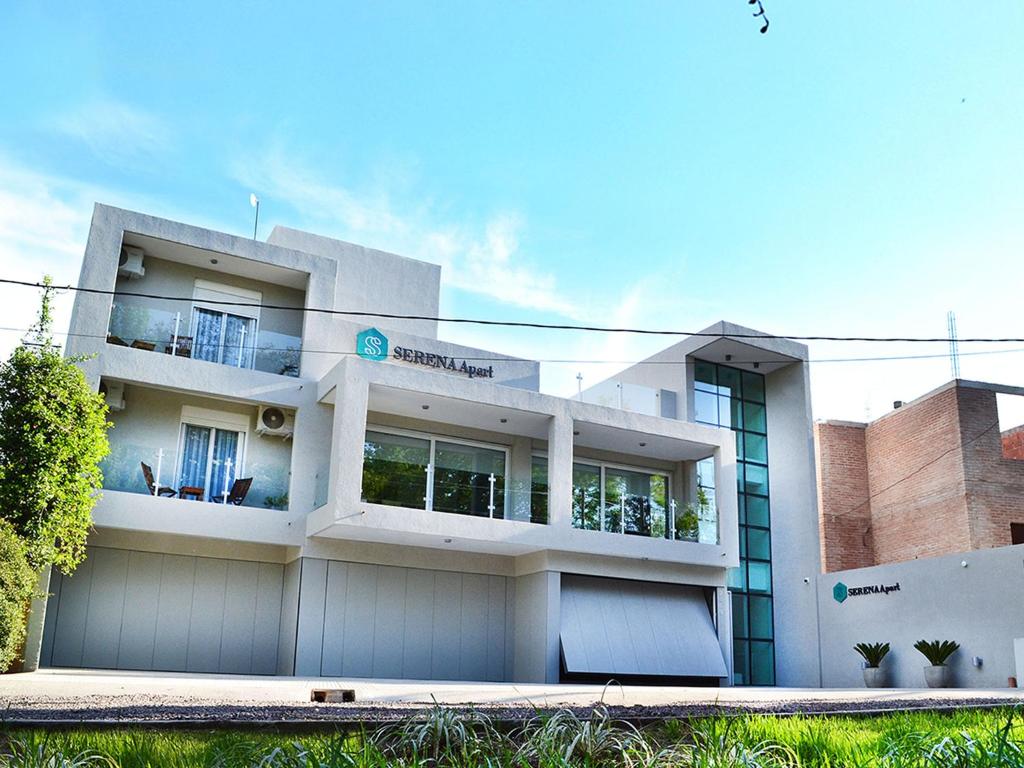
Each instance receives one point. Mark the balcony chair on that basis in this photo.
(147, 472)
(183, 347)
(238, 491)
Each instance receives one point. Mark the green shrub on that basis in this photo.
(17, 580)
(937, 651)
(872, 653)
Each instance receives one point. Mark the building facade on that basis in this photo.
(301, 485)
(932, 477)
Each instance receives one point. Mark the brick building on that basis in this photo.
(932, 477)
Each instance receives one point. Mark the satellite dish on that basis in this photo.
(253, 200)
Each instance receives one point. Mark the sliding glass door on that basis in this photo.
(424, 473)
(224, 338)
(209, 460)
(618, 500)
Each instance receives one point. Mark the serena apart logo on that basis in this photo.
(371, 344)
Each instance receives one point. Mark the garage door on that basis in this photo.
(125, 609)
(617, 627)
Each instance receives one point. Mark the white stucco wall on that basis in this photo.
(978, 606)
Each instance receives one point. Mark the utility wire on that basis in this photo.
(513, 359)
(517, 323)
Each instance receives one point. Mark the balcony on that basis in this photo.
(236, 343)
(202, 313)
(193, 449)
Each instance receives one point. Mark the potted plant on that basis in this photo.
(937, 652)
(873, 653)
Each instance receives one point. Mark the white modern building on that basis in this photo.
(298, 489)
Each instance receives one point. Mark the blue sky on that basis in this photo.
(857, 170)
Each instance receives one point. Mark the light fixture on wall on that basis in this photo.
(643, 444)
(425, 407)
(963, 563)
(503, 421)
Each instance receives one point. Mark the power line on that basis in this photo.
(517, 323)
(583, 361)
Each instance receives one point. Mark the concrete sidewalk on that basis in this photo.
(76, 688)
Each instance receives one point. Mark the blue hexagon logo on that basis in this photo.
(371, 344)
(840, 592)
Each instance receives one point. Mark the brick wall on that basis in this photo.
(1013, 443)
(995, 483)
(916, 481)
(844, 511)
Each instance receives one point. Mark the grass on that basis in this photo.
(441, 737)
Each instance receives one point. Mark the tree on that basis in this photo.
(17, 582)
(53, 435)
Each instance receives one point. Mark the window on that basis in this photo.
(420, 472)
(211, 454)
(220, 337)
(222, 333)
(620, 500)
(1017, 533)
(739, 404)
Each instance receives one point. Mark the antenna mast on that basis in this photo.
(954, 344)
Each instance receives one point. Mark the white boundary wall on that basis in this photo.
(980, 606)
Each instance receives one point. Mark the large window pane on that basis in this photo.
(756, 478)
(395, 470)
(704, 375)
(754, 418)
(539, 490)
(758, 544)
(757, 511)
(729, 381)
(753, 387)
(586, 497)
(705, 407)
(762, 663)
(759, 576)
(635, 502)
(760, 614)
(741, 662)
(463, 480)
(740, 624)
(755, 447)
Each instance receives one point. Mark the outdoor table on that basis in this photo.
(191, 490)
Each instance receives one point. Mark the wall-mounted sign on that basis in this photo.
(371, 344)
(840, 591)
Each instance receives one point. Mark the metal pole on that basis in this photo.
(227, 474)
(241, 347)
(622, 515)
(428, 500)
(257, 222)
(177, 328)
(490, 500)
(672, 519)
(159, 464)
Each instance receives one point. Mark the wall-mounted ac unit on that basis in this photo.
(113, 394)
(130, 263)
(275, 422)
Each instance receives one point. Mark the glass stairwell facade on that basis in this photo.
(729, 397)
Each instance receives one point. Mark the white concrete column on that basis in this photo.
(535, 630)
(520, 476)
(350, 404)
(36, 621)
(560, 470)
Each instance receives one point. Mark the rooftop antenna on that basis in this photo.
(579, 386)
(954, 344)
(255, 203)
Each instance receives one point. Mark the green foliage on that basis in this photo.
(872, 653)
(17, 581)
(937, 651)
(52, 438)
(276, 502)
(442, 737)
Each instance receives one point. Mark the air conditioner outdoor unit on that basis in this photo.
(275, 422)
(130, 263)
(113, 394)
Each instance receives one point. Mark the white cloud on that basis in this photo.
(44, 222)
(116, 132)
(484, 260)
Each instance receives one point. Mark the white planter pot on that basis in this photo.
(874, 677)
(937, 677)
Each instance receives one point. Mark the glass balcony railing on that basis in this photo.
(157, 330)
(133, 467)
